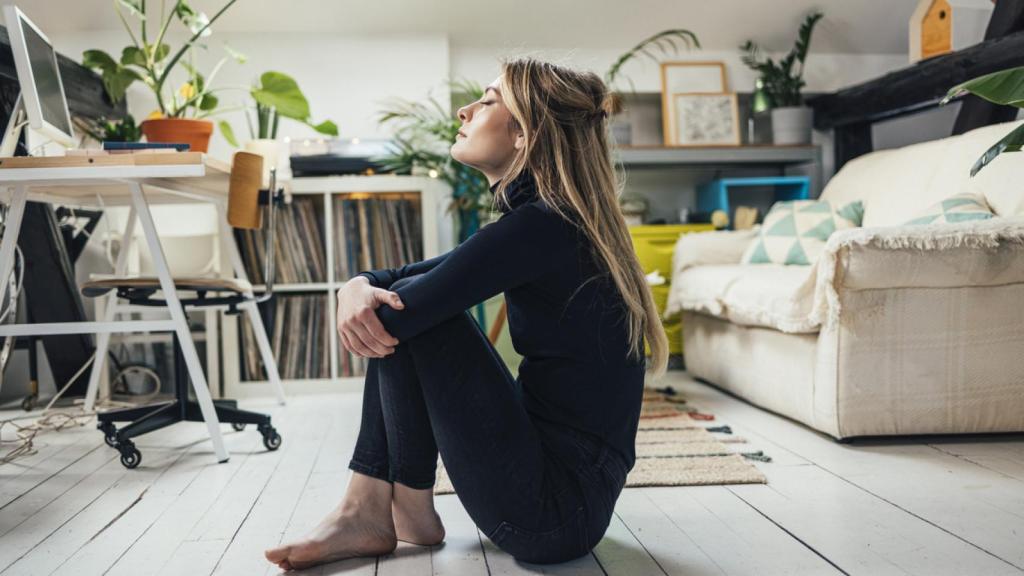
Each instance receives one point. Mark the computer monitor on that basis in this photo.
(42, 91)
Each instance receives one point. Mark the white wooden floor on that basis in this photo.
(930, 506)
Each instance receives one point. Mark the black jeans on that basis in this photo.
(542, 493)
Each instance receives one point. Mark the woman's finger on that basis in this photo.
(368, 339)
(378, 332)
(360, 344)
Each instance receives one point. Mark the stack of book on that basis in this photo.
(383, 231)
(297, 325)
(298, 243)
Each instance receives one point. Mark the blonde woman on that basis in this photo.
(538, 461)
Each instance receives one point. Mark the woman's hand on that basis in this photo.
(360, 330)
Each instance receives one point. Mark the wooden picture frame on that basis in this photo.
(703, 119)
(707, 77)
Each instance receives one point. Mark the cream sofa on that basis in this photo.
(894, 329)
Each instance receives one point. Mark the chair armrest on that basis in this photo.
(976, 253)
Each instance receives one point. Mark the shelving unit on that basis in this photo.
(436, 226)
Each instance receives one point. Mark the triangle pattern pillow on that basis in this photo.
(957, 208)
(795, 231)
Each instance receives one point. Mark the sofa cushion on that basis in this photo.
(896, 184)
(795, 231)
(772, 295)
(956, 208)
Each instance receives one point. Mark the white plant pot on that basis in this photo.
(275, 154)
(792, 125)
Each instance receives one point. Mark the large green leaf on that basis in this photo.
(116, 78)
(1012, 142)
(280, 91)
(1003, 87)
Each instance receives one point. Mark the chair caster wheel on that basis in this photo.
(238, 426)
(271, 439)
(109, 433)
(130, 455)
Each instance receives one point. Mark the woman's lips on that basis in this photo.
(460, 133)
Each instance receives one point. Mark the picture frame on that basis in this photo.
(704, 77)
(703, 119)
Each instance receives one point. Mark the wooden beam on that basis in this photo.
(916, 87)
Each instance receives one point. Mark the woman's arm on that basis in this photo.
(385, 277)
(518, 247)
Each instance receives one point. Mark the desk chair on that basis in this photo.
(244, 211)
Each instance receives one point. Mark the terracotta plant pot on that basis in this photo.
(195, 133)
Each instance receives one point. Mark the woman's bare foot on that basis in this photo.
(415, 519)
(344, 533)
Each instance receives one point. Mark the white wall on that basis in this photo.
(345, 78)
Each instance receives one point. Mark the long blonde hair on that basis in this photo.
(563, 114)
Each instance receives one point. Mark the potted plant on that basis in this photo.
(622, 130)
(181, 113)
(791, 120)
(276, 96)
(1004, 87)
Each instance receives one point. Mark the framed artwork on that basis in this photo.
(705, 120)
(687, 77)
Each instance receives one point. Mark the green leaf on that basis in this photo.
(132, 56)
(134, 7)
(228, 132)
(208, 102)
(116, 78)
(1003, 87)
(280, 91)
(326, 127)
(195, 21)
(1012, 142)
(158, 52)
(98, 59)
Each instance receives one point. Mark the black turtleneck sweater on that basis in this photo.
(575, 371)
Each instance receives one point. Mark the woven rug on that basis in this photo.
(676, 445)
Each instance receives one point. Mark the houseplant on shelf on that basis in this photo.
(276, 96)
(423, 135)
(1004, 87)
(791, 120)
(622, 129)
(151, 62)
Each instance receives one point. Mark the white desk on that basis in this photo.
(136, 181)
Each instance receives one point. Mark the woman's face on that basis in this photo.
(487, 140)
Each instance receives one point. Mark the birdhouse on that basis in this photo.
(941, 26)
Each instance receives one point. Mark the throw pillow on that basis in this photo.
(795, 231)
(956, 208)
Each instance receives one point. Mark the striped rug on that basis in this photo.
(677, 445)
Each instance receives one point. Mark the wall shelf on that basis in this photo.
(640, 156)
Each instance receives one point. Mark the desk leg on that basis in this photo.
(188, 347)
(109, 312)
(12, 227)
(262, 341)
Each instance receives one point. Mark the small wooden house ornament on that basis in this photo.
(941, 26)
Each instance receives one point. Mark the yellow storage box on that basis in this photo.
(654, 245)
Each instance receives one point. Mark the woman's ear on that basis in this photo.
(520, 141)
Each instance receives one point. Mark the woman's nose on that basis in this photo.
(462, 113)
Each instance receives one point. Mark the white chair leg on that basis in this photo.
(188, 347)
(109, 312)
